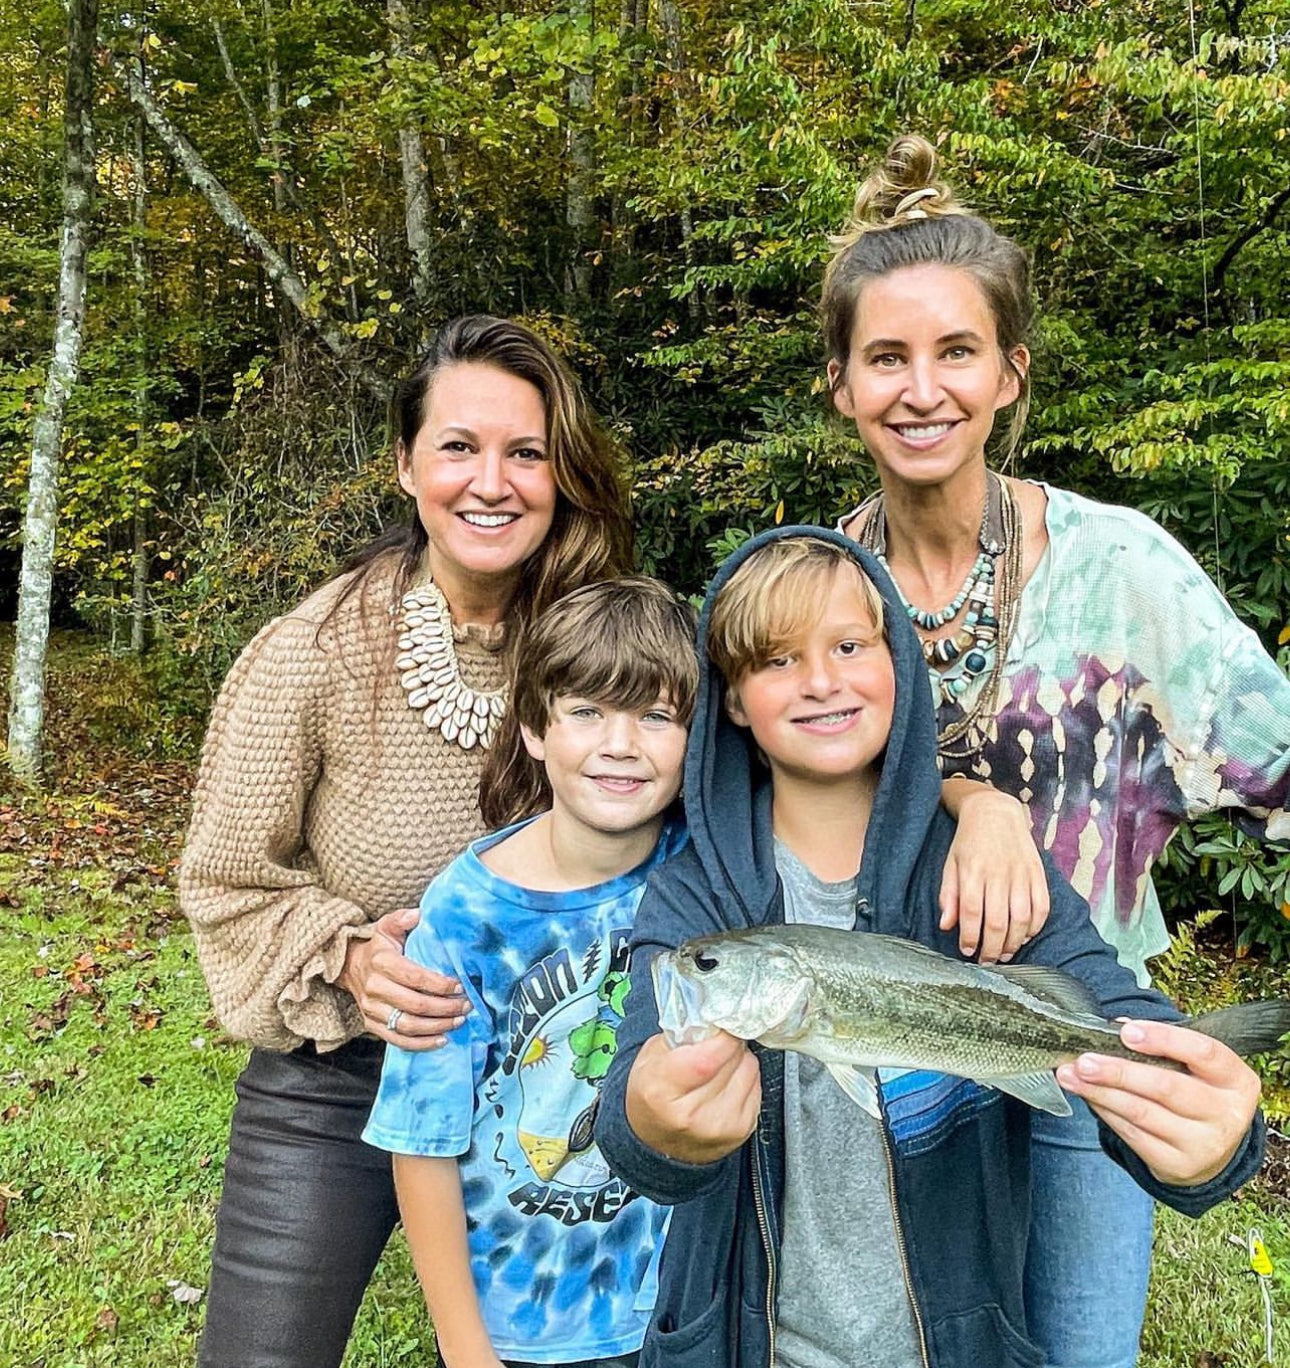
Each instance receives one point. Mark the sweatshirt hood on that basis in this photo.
(728, 788)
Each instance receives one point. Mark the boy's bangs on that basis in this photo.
(624, 675)
(775, 598)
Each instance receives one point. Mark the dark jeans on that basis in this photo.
(306, 1210)
(618, 1361)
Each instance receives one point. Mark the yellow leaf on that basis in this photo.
(779, 512)
(1284, 638)
(366, 328)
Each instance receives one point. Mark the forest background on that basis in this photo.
(650, 183)
(289, 195)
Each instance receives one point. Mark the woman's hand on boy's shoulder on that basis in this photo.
(994, 888)
(1185, 1126)
(390, 988)
(697, 1103)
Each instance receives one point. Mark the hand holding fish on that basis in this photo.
(697, 1102)
(994, 888)
(1185, 1127)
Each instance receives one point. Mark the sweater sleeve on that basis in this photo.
(270, 938)
(666, 917)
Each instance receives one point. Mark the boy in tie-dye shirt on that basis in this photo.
(528, 1250)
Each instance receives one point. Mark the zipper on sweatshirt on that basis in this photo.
(900, 1238)
(763, 1225)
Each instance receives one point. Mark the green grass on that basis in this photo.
(117, 1099)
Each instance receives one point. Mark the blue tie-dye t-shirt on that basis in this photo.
(563, 1254)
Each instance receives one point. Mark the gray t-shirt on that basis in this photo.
(843, 1300)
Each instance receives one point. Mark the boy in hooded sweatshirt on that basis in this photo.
(807, 1234)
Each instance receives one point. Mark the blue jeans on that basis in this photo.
(1089, 1257)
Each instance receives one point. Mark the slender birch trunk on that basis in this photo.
(579, 209)
(412, 160)
(27, 689)
(670, 16)
(138, 254)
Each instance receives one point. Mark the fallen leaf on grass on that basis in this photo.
(145, 1018)
(183, 1293)
(106, 1319)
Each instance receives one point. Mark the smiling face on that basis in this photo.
(925, 376)
(612, 770)
(822, 709)
(483, 483)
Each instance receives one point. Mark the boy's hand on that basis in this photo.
(993, 888)
(380, 978)
(698, 1102)
(1185, 1127)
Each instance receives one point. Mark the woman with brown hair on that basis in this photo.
(339, 775)
(1078, 657)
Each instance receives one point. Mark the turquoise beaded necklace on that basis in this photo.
(954, 662)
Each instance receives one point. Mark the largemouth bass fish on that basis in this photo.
(858, 1001)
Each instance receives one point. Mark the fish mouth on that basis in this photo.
(680, 1003)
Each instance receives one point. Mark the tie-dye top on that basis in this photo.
(1132, 700)
(562, 1252)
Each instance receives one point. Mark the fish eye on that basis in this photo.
(704, 961)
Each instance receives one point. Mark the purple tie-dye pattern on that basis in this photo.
(1262, 789)
(1132, 800)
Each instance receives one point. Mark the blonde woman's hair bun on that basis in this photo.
(902, 189)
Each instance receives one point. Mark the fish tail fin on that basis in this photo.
(1248, 1028)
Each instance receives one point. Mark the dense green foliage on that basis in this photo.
(1137, 148)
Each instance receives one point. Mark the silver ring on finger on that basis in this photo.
(392, 1021)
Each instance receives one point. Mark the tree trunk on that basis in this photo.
(579, 209)
(226, 208)
(27, 690)
(670, 17)
(138, 254)
(416, 187)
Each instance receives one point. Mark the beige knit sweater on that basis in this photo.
(323, 801)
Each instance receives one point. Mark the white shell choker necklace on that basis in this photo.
(427, 662)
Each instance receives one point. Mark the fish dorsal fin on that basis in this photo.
(860, 1085)
(1050, 986)
(1038, 1089)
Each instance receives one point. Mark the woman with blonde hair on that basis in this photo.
(339, 775)
(1079, 660)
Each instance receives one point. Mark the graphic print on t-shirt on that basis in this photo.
(560, 1036)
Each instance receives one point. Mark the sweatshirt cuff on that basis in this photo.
(655, 1176)
(1197, 1199)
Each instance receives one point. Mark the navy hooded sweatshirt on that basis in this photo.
(959, 1152)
